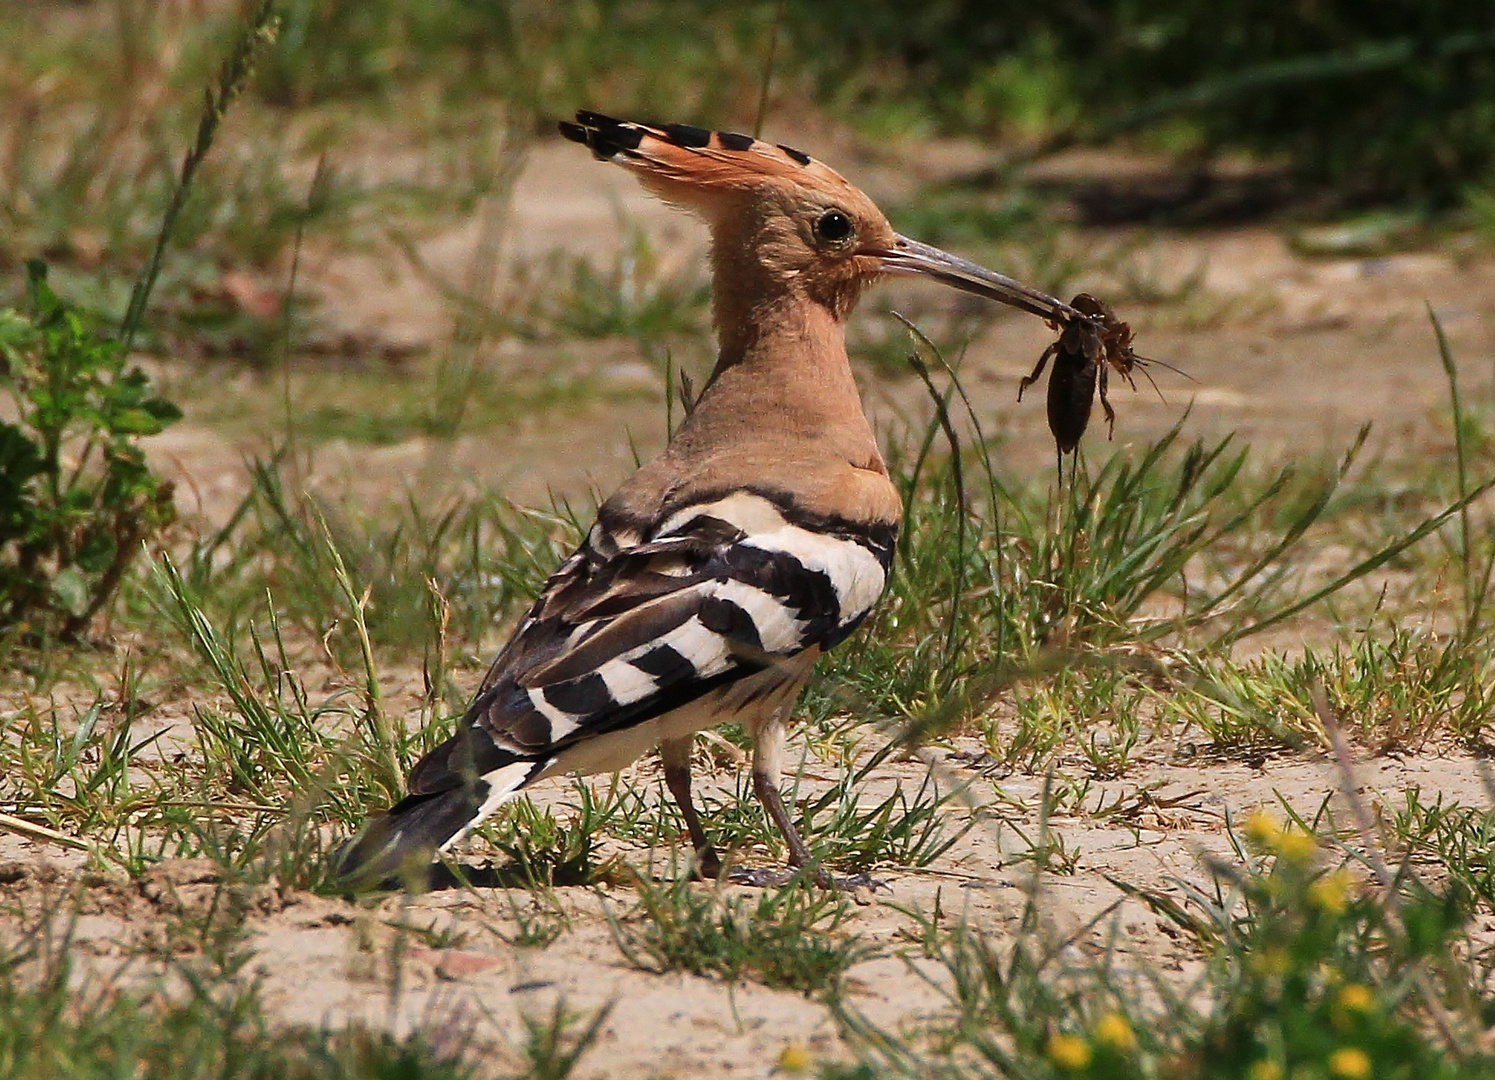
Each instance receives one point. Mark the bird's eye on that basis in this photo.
(833, 227)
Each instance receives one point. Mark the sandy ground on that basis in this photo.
(326, 960)
(1290, 354)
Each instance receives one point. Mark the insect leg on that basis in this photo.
(1105, 403)
(1043, 362)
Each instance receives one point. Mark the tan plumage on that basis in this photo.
(762, 536)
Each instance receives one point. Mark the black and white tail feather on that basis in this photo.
(651, 630)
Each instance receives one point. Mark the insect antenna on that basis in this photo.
(1142, 363)
(1163, 363)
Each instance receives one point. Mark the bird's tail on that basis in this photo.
(398, 846)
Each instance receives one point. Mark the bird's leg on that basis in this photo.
(767, 790)
(768, 758)
(675, 753)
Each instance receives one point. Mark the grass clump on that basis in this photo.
(542, 849)
(296, 762)
(554, 1044)
(845, 828)
(434, 574)
(903, 829)
(1445, 838)
(1091, 713)
(787, 938)
(1402, 688)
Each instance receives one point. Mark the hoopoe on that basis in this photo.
(760, 538)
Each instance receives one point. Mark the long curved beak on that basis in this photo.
(911, 257)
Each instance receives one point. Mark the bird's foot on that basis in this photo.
(761, 878)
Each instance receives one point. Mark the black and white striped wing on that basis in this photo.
(634, 626)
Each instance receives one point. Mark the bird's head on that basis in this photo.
(784, 224)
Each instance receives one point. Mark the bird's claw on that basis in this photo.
(762, 878)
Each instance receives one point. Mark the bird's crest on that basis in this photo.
(686, 164)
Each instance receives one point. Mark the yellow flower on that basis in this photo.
(1271, 963)
(1350, 1063)
(1263, 830)
(1069, 1052)
(1265, 1070)
(794, 1060)
(1354, 997)
(1295, 845)
(1331, 893)
(1115, 1032)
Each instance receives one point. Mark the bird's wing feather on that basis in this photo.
(631, 626)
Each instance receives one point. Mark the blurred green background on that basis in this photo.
(1378, 100)
(371, 118)
(1390, 100)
